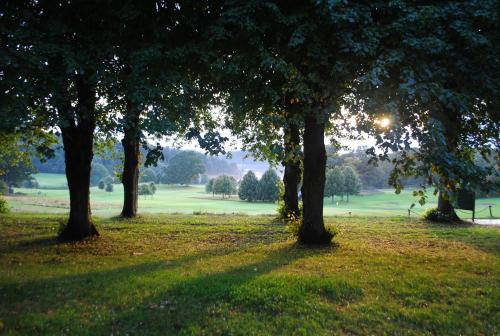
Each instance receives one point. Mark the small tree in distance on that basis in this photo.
(334, 183)
(352, 184)
(268, 189)
(183, 168)
(248, 189)
(209, 187)
(224, 185)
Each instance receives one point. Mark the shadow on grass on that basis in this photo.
(29, 244)
(168, 297)
(219, 302)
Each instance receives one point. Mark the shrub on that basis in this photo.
(434, 215)
(101, 184)
(4, 206)
(109, 187)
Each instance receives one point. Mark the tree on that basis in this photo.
(334, 182)
(98, 173)
(352, 184)
(249, 186)
(53, 82)
(294, 52)
(147, 189)
(268, 189)
(109, 187)
(440, 89)
(209, 187)
(148, 175)
(157, 82)
(101, 185)
(16, 164)
(224, 185)
(183, 168)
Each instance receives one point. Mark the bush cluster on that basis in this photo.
(434, 215)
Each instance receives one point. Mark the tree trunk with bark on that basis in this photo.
(291, 176)
(445, 207)
(312, 230)
(78, 136)
(130, 176)
(450, 122)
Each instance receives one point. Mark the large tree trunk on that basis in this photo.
(446, 208)
(312, 230)
(291, 176)
(78, 140)
(450, 121)
(130, 176)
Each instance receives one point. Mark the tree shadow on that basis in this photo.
(167, 301)
(201, 303)
(30, 244)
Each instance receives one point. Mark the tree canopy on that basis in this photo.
(183, 168)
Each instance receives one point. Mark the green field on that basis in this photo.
(53, 198)
(244, 275)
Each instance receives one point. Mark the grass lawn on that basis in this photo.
(55, 199)
(243, 275)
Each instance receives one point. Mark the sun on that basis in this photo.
(384, 122)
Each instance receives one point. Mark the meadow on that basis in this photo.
(191, 274)
(52, 197)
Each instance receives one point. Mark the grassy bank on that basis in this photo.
(243, 275)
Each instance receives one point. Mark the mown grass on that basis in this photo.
(244, 275)
(189, 199)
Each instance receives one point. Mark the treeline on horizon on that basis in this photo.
(371, 176)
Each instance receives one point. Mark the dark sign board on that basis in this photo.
(466, 200)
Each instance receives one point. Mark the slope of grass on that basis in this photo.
(191, 199)
(243, 275)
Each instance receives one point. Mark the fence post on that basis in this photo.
(491, 213)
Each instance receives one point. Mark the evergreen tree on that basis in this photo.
(248, 189)
(268, 186)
